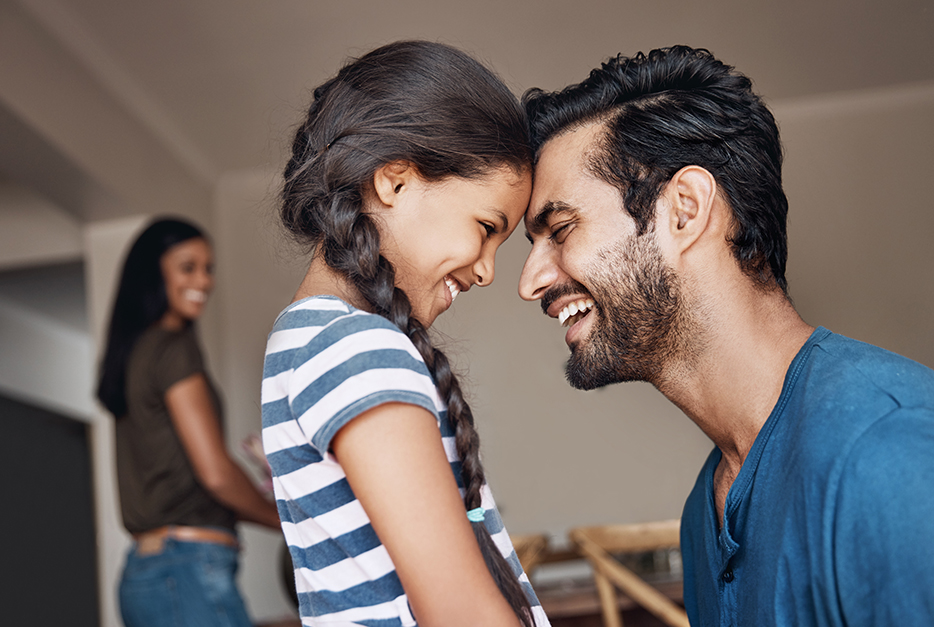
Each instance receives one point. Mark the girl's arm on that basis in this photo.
(197, 426)
(396, 465)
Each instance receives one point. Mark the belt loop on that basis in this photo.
(150, 545)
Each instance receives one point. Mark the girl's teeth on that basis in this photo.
(196, 295)
(455, 290)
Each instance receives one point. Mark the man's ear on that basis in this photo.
(391, 180)
(690, 195)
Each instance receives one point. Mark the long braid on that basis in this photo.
(398, 310)
(368, 116)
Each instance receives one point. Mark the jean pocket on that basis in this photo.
(218, 573)
(150, 602)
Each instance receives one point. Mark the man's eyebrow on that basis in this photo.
(539, 223)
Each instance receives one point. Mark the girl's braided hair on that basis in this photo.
(438, 109)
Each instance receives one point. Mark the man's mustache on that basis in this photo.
(565, 289)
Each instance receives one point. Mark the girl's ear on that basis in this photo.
(391, 180)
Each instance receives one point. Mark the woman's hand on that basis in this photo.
(195, 421)
(396, 465)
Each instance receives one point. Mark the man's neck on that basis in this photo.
(735, 374)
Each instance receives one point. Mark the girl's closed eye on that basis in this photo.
(401, 247)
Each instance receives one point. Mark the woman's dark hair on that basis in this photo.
(141, 301)
(441, 111)
(672, 108)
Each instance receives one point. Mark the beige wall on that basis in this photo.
(861, 217)
(859, 222)
(255, 280)
(54, 94)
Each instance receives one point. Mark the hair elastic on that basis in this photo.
(337, 138)
(476, 514)
(328, 145)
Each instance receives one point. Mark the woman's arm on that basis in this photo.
(195, 421)
(396, 465)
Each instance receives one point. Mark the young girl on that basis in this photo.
(412, 167)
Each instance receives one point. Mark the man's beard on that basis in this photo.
(639, 318)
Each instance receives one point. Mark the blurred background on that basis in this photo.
(112, 112)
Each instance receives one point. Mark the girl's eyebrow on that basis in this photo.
(503, 218)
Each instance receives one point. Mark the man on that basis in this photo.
(657, 224)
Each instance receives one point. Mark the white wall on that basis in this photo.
(34, 231)
(256, 278)
(106, 243)
(856, 174)
(43, 361)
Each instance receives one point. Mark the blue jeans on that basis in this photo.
(187, 584)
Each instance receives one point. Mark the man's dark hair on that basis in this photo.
(672, 108)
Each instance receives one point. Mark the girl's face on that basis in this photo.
(188, 272)
(442, 236)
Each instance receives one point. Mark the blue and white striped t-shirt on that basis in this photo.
(327, 363)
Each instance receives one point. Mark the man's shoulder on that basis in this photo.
(846, 395)
(864, 376)
(857, 351)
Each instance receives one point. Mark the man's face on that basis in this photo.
(592, 272)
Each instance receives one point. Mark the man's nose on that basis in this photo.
(538, 274)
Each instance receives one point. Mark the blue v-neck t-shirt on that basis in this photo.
(830, 520)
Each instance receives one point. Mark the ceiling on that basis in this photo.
(222, 81)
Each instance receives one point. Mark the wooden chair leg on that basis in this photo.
(611, 615)
(629, 583)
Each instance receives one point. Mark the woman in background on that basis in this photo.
(180, 492)
(412, 167)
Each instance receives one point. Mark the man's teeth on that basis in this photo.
(452, 285)
(197, 296)
(572, 309)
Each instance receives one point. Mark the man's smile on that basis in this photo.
(574, 311)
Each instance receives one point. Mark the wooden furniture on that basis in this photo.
(597, 544)
(531, 549)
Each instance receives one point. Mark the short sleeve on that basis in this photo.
(884, 526)
(178, 358)
(358, 362)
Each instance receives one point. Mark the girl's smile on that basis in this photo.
(442, 236)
